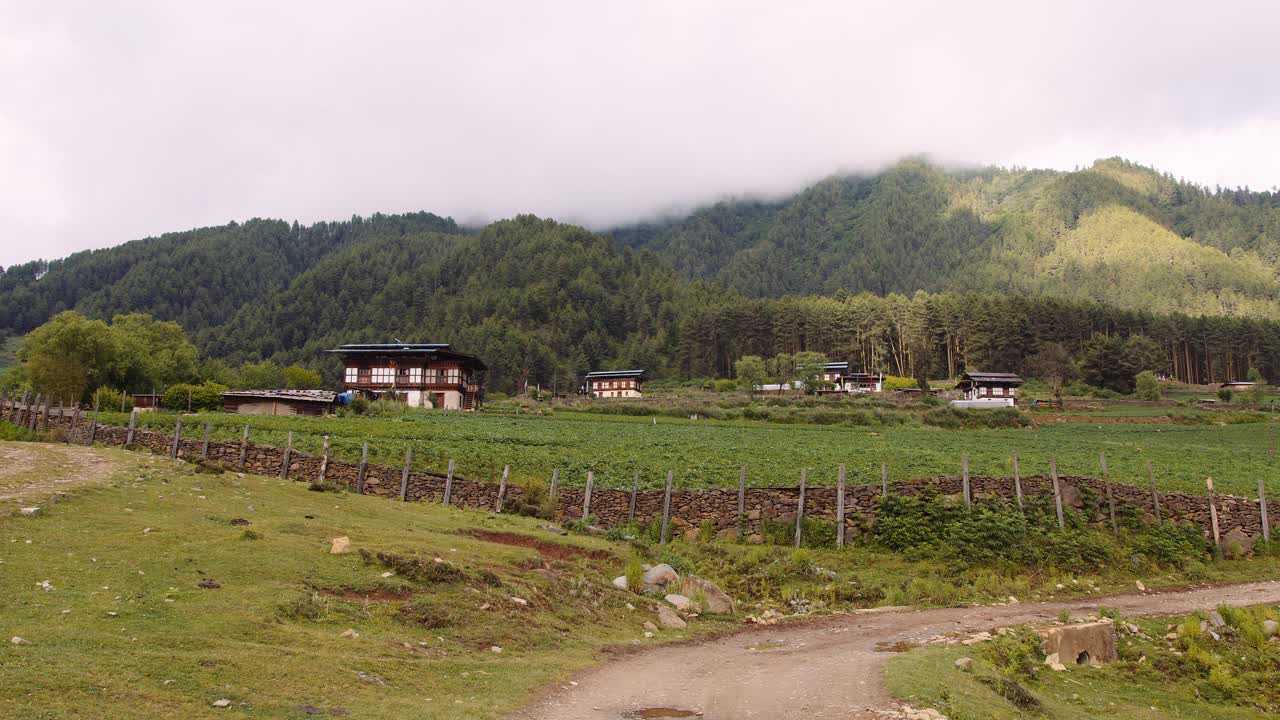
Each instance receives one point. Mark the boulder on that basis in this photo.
(1216, 621)
(679, 602)
(727, 534)
(30, 510)
(755, 539)
(620, 582)
(340, 545)
(718, 601)
(692, 534)
(1080, 643)
(660, 576)
(1071, 496)
(1270, 628)
(648, 625)
(669, 619)
(964, 663)
(1237, 544)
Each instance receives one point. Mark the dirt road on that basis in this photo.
(33, 472)
(825, 669)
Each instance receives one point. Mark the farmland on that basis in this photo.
(705, 453)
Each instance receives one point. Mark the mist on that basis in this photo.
(129, 119)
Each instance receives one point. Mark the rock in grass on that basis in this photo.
(208, 584)
(520, 601)
(19, 641)
(30, 511)
(221, 703)
(620, 582)
(340, 545)
(350, 633)
(718, 601)
(679, 602)
(660, 576)
(964, 663)
(668, 618)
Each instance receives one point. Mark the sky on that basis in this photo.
(127, 119)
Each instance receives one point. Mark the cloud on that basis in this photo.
(128, 119)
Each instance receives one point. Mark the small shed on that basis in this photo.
(279, 402)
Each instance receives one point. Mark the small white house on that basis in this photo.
(987, 390)
(615, 383)
(845, 382)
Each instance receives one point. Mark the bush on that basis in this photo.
(1147, 387)
(206, 396)
(109, 399)
(1016, 654)
(1225, 394)
(953, 418)
(359, 405)
(1170, 544)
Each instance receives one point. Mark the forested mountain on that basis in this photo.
(1115, 232)
(915, 271)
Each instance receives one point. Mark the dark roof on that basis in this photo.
(615, 373)
(324, 396)
(991, 377)
(844, 365)
(1238, 383)
(440, 350)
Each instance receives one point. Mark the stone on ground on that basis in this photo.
(620, 582)
(340, 545)
(718, 601)
(668, 618)
(964, 663)
(221, 703)
(660, 576)
(679, 602)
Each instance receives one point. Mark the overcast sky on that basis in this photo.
(122, 119)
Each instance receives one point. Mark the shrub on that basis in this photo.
(1147, 387)
(956, 419)
(359, 405)
(109, 399)
(1225, 394)
(1017, 653)
(206, 396)
(1170, 544)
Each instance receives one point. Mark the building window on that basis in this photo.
(352, 374)
(415, 375)
(999, 391)
(383, 375)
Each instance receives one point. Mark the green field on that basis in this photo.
(705, 453)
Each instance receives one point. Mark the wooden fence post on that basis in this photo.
(75, 422)
(840, 507)
(324, 460)
(448, 483)
(631, 506)
(177, 435)
(1057, 492)
(284, 459)
(666, 510)
(364, 468)
(1213, 520)
(1262, 507)
(33, 413)
(1017, 480)
(964, 481)
(17, 411)
(204, 446)
(404, 476)
(804, 476)
(1111, 500)
(742, 492)
(47, 401)
(133, 427)
(502, 487)
(1155, 494)
(555, 482)
(93, 430)
(884, 480)
(244, 446)
(4, 402)
(123, 396)
(586, 495)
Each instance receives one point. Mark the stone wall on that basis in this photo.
(692, 507)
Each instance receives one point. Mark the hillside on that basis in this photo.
(1086, 234)
(1009, 259)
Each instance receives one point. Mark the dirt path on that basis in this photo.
(820, 670)
(33, 472)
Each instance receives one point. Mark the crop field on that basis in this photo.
(706, 453)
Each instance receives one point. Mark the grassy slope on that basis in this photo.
(233, 642)
(708, 453)
(928, 677)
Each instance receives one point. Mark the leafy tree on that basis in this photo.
(1225, 394)
(71, 354)
(297, 377)
(263, 375)
(809, 369)
(751, 371)
(156, 353)
(1147, 387)
(205, 396)
(1054, 365)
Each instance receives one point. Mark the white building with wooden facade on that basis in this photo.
(424, 374)
(615, 383)
(836, 378)
(987, 389)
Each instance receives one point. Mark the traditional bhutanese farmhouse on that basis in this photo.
(424, 374)
(837, 378)
(278, 402)
(1239, 386)
(615, 383)
(986, 389)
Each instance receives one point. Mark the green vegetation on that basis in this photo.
(706, 453)
(1194, 676)
(916, 272)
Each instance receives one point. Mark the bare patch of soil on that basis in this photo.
(557, 551)
(33, 472)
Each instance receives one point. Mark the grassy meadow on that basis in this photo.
(707, 452)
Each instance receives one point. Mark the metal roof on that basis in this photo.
(435, 349)
(836, 365)
(325, 396)
(991, 377)
(615, 373)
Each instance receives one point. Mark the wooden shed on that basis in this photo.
(279, 402)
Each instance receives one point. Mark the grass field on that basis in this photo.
(1153, 679)
(706, 453)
